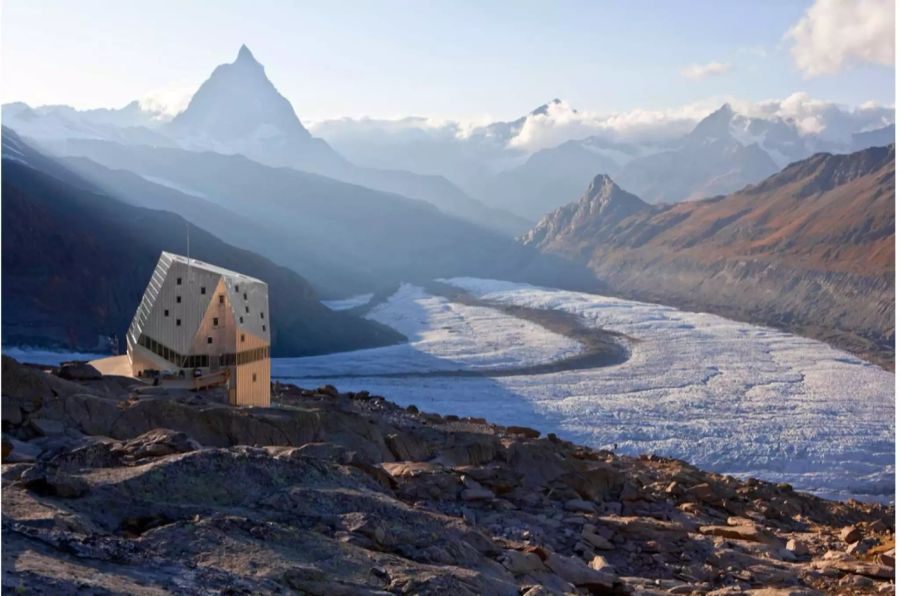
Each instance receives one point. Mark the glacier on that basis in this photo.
(727, 396)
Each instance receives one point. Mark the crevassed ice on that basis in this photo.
(443, 336)
(726, 396)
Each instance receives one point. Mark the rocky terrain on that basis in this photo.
(114, 487)
(810, 249)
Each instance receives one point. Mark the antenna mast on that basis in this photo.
(187, 227)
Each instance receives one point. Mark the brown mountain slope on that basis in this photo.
(809, 249)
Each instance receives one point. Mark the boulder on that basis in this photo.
(750, 532)
(580, 506)
(407, 447)
(600, 563)
(873, 570)
(157, 443)
(595, 481)
(595, 540)
(521, 563)
(469, 449)
(475, 492)
(850, 534)
(46, 427)
(797, 547)
(523, 431)
(78, 371)
(575, 571)
(329, 390)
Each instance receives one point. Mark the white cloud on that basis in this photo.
(831, 121)
(561, 122)
(702, 71)
(167, 102)
(835, 33)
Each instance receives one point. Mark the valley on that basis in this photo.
(809, 249)
(452, 298)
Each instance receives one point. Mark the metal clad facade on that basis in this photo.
(194, 314)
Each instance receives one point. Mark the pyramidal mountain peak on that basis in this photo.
(239, 102)
(602, 206)
(244, 54)
(544, 109)
(717, 124)
(602, 186)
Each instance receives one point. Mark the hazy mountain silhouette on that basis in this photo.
(76, 262)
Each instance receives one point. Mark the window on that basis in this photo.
(264, 327)
(262, 315)
(242, 337)
(215, 321)
(245, 295)
(178, 322)
(237, 288)
(242, 319)
(254, 377)
(178, 299)
(166, 313)
(221, 298)
(178, 282)
(247, 309)
(209, 340)
(202, 289)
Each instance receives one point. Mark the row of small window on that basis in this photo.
(202, 360)
(237, 289)
(209, 340)
(245, 357)
(215, 319)
(163, 351)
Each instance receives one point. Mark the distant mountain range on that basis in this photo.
(76, 261)
(486, 174)
(723, 153)
(810, 248)
(238, 111)
(717, 154)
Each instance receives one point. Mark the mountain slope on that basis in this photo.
(76, 262)
(377, 238)
(810, 249)
(333, 275)
(548, 176)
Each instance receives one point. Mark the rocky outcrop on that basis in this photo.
(810, 250)
(143, 490)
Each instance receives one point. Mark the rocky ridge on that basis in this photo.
(111, 486)
(810, 249)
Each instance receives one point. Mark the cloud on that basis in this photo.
(702, 71)
(835, 33)
(831, 121)
(560, 122)
(167, 102)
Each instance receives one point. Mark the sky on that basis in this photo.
(452, 59)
